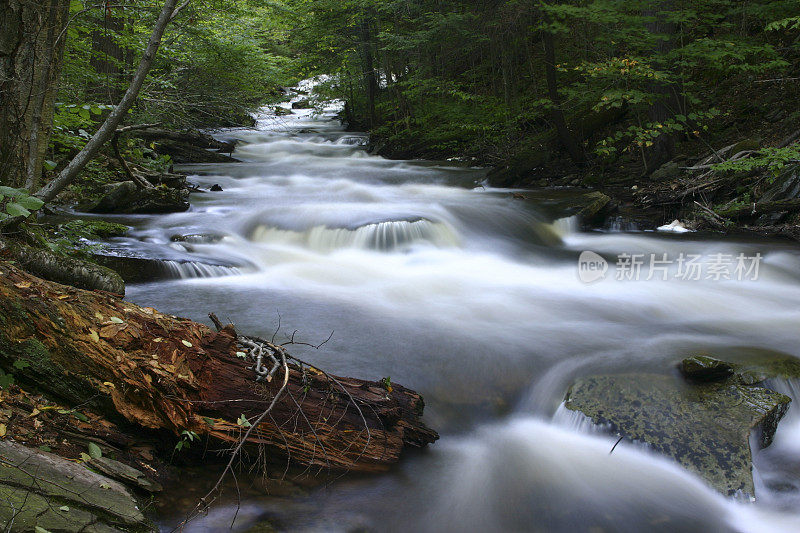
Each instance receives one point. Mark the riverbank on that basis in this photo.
(738, 176)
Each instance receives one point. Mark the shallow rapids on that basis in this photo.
(473, 298)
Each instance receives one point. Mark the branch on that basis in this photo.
(109, 127)
(137, 127)
(179, 9)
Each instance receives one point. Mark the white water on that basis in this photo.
(472, 298)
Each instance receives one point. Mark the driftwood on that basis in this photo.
(139, 366)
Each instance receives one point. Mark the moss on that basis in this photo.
(705, 427)
(91, 229)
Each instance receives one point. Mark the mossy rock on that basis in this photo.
(705, 427)
(126, 197)
(42, 490)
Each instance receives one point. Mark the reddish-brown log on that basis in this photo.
(163, 372)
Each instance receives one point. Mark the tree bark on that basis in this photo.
(666, 103)
(31, 53)
(557, 115)
(161, 372)
(108, 57)
(107, 130)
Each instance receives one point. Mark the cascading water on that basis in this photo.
(471, 297)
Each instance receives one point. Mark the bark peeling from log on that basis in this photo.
(165, 372)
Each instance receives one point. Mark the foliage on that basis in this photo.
(17, 202)
(468, 78)
(773, 160)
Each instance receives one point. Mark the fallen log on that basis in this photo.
(760, 208)
(161, 372)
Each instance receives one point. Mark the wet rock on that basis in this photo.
(216, 188)
(282, 111)
(705, 427)
(596, 204)
(302, 104)
(127, 197)
(124, 473)
(705, 368)
(42, 490)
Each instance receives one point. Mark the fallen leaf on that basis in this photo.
(3, 431)
(94, 451)
(187, 343)
(64, 508)
(98, 316)
(158, 339)
(34, 413)
(116, 320)
(94, 336)
(85, 457)
(63, 297)
(111, 331)
(23, 284)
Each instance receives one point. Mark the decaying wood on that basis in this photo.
(163, 372)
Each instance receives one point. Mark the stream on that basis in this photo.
(426, 275)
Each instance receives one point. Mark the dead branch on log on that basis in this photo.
(138, 180)
(161, 372)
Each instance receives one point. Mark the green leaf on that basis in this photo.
(12, 192)
(6, 380)
(30, 202)
(80, 416)
(85, 457)
(242, 421)
(116, 320)
(16, 210)
(49, 165)
(94, 451)
(209, 421)
(39, 529)
(64, 508)
(20, 364)
(45, 448)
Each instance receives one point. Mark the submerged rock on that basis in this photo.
(705, 427)
(41, 491)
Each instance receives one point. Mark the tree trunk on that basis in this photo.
(31, 53)
(107, 130)
(161, 372)
(369, 74)
(557, 115)
(666, 103)
(108, 57)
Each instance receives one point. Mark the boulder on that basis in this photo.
(127, 197)
(302, 104)
(704, 426)
(42, 491)
(668, 171)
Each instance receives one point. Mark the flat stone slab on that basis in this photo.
(705, 427)
(39, 489)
